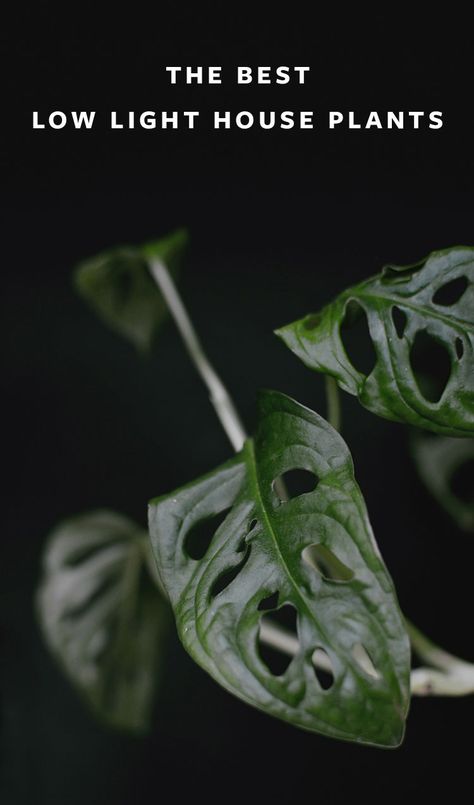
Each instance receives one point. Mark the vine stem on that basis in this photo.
(333, 403)
(447, 675)
(220, 397)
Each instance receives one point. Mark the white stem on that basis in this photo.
(447, 675)
(219, 395)
(459, 681)
(278, 638)
(456, 680)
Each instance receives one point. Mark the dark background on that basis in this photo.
(279, 223)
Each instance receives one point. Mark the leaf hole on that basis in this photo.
(355, 336)
(323, 668)
(462, 482)
(200, 535)
(364, 661)
(431, 365)
(277, 661)
(271, 602)
(285, 616)
(228, 576)
(451, 292)
(328, 565)
(459, 347)
(296, 482)
(399, 319)
(393, 275)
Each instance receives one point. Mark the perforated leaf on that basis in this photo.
(102, 617)
(118, 286)
(315, 554)
(446, 466)
(430, 303)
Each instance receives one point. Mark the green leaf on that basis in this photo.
(431, 301)
(102, 617)
(316, 553)
(440, 460)
(119, 287)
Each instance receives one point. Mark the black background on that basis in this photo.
(279, 223)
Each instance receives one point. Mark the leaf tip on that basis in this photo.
(170, 248)
(285, 334)
(397, 736)
(389, 734)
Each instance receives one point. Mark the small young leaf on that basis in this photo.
(440, 462)
(257, 561)
(118, 285)
(101, 616)
(421, 323)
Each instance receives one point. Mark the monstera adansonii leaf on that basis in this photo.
(443, 461)
(313, 554)
(432, 301)
(117, 284)
(102, 616)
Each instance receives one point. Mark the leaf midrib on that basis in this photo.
(254, 480)
(452, 321)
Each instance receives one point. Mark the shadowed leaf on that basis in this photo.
(118, 286)
(102, 617)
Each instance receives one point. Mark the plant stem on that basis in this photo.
(333, 404)
(278, 638)
(219, 395)
(447, 676)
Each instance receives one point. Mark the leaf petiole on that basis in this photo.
(333, 403)
(219, 395)
(446, 675)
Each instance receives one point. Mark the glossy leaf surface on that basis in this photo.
(102, 617)
(427, 308)
(314, 554)
(118, 286)
(446, 466)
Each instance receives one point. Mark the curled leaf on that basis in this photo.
(118, 286)
(234, 558)
(102, 617)
(420, 320)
